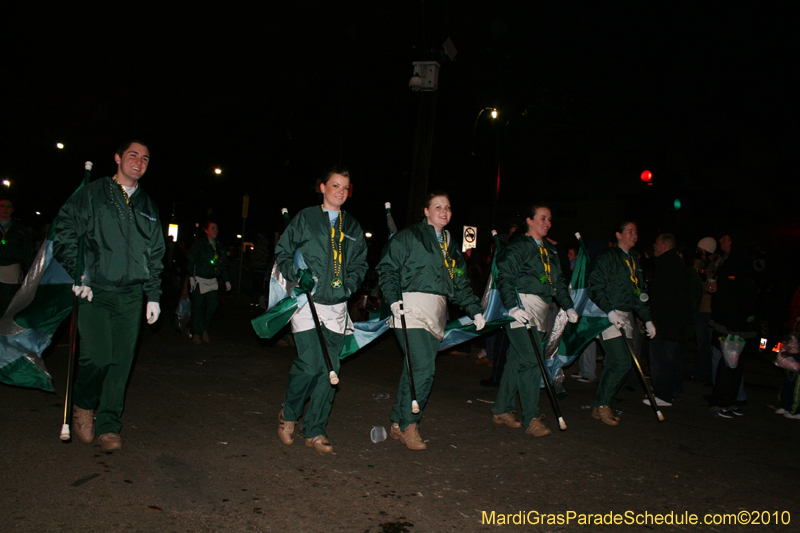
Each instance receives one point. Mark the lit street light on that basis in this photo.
(217, 171)
(60, 146)
(7, 183)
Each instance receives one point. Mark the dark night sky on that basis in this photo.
(589, 96)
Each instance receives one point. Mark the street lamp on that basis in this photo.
(217, 171)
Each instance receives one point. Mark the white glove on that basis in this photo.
(82, 291)
(397, 312)
(153, 311)
(615, 319)
(572, 316)
(520, 315)
(192, 283)
(479, 321)
(228, 286)
(650, 328)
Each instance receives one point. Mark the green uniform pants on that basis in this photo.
(309, 380)
(522, 375)
(203, 308)
(616, 365)
(423, 347)
(109, 326)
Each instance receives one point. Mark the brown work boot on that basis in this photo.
(507, 419)
(196, 339)
(412, 439)
(110, 442)
(395, 432)
(320, 443)
(285, 429)
(83, 424)
(605, 415)
(206, 338)
(537, 428)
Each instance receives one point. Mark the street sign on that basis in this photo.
(245, 205)
(470, 238)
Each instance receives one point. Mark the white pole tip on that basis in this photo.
(65, 432)
(494, 232)
(284, 211)
(660, 416)
(388, 205)
(578, 235)
(415, 407)
(88, 165)
(562, 424)
(334, 378)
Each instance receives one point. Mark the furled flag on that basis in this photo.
(462, 330)
(42, 302)
(576, 337)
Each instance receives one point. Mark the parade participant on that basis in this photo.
(333, 247)
(116, 225)
(528, 278)
(206, 261)
(616, 286)
(16, 254)
(420, 271)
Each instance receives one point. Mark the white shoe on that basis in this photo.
(659, 402)
(780, 411)
(790, 415)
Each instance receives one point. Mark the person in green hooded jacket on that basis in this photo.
(116, 225)
(616, 286)
(323, 250)
(421, 269)
(528, 278)
(206, 261)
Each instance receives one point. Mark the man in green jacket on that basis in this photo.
(616, 285)
(116, 226)
(16, 254)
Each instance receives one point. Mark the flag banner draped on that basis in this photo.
(42, 302)
(575, 337)
(462, 330)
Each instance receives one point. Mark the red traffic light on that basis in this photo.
(647, 176)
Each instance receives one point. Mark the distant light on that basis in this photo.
(38, 213)
(172, 231)
(7, 183)
(647, 176)
(217, 171)
(676, 204)
(238, 236)
(368, 235)
(494, 113)
(60, 146)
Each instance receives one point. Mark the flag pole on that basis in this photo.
(550, 393)
(645, 384)
(73, 335)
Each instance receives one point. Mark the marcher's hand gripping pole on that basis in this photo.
(547, 385)
(327, 356)
(645, 384)
(73, 333)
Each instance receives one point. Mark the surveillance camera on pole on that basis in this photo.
(426, 76)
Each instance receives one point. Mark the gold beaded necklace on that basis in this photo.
(336, 247)
(124, 192)
(545, 257)
(449, 263)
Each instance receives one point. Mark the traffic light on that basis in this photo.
(647, 176)
(676, 204)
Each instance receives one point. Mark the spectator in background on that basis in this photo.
(206, 262)
(16, 253)
(671, 306)
(705, 265)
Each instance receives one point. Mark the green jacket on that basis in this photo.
(611, 286)
(123, 242)
(520, 269)
(414, 258)
(206, 260)
(310, 234)
(16, 246)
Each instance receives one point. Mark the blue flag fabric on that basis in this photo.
(42, 302)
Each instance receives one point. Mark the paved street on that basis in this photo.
(201, 454)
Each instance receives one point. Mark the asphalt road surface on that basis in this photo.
(201, 453)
